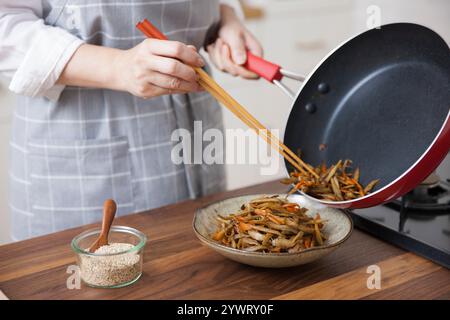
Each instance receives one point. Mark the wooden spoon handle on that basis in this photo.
(109, 212)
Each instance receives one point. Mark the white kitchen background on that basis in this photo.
(296, 34)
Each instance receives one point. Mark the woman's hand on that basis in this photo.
(152, 68)
(228, 53)
(158, 67)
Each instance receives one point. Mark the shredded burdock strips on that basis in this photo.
(272, 225)
(336, 183)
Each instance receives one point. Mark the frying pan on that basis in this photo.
(381, 99)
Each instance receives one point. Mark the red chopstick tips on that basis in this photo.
(150, 30)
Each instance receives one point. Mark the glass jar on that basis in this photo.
(114, 266)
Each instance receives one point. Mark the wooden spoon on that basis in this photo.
(109, 211)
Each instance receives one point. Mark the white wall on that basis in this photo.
(434, 14)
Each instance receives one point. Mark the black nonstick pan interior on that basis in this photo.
(380, 100)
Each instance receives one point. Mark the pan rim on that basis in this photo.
(348, 203)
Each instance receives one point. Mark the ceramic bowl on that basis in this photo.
(338, 228)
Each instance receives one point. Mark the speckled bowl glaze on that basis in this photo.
(338, 228)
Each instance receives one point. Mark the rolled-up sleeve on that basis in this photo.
(33, 54)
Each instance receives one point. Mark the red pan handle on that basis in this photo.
(263, 68)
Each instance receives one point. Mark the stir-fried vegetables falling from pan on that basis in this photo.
(270, 224)
(336, 183)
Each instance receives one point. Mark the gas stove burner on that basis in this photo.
(426, 198)
(418, 222)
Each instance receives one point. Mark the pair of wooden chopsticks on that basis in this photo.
(228, 101)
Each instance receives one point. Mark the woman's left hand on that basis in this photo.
(228, 53)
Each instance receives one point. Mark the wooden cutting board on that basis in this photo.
(177, 266)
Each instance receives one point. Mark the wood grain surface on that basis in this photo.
(177, 266)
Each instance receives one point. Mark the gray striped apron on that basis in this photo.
(68, 156)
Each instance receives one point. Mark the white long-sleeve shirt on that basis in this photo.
(33, 54)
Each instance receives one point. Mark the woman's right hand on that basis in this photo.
(157, 67)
